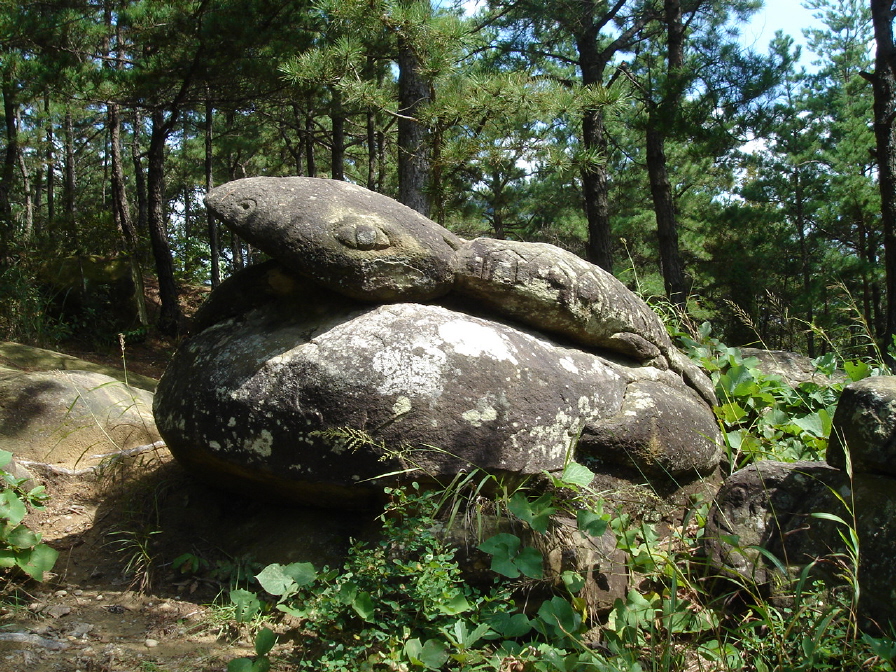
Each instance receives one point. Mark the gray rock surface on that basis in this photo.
(792, 367)
(865, 426)
(280, 362)
(67, 418)
(367, 246)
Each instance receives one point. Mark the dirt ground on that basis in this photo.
(117, 603)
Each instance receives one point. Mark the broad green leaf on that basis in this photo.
(264, 641)
(261, 664)
(39, 560)
(363, 606)
(511, 625)
(285, 580)
(240, 665)
(503, 548)
(857, 370)
(591, 522)
(573, 581)
(577, 474)
(11, 507)
(246, 603)
(812, 424)
(559, 618)
(731, 412)
(536, 513)
(22, 537)
(301, 572)
(5, 458)
(530, 562)
(434, 654)
(456, 605)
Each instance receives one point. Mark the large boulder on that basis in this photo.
(293, 390)
(774, 507)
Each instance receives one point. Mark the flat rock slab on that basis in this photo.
(68, 418)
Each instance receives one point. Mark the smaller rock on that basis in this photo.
(865, 426)
(58, 611)
(151, 643)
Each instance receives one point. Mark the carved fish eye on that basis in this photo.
(362, 236)
(247, 205)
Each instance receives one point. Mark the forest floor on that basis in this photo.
(115, 601)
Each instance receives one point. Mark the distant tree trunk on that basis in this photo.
(337, 155)
(413, 142)
(599, 245)
(884, 86)
(170, 315)
(309, 145)
(139, 175)
(28, 224)
(659, 116)
(7, 232)
(70, 184)
(120, 208)
(51, 167)
(214, 251)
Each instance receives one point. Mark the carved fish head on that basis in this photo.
(350, 239)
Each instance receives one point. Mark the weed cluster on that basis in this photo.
(762, 416)
(20, 546)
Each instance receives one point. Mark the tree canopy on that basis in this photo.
(742, 187)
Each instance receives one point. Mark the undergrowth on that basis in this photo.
(402, 603)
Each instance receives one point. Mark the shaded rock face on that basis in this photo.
(770, 505)
(71, 418)
(279, 361)
(865, 426)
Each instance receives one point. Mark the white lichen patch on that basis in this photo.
(261, 444)
(401, 406)
(472, 339)
(636, 402)
(568, 364)
(231, 422)
(407, 370)
(214, 445)
(477, 416)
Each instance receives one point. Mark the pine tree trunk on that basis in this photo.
(214, 250)
(659, 116)
(413, 141)
(664, 209)
(139, 175)
(599, 246)
(170, 315)
(121, 210)
(337, 155)
(884, 86)
(51, 167)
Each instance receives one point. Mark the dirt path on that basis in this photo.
(119, 531)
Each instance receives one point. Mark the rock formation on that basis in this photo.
(378, 343)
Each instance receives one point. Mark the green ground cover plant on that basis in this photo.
(20, 547)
